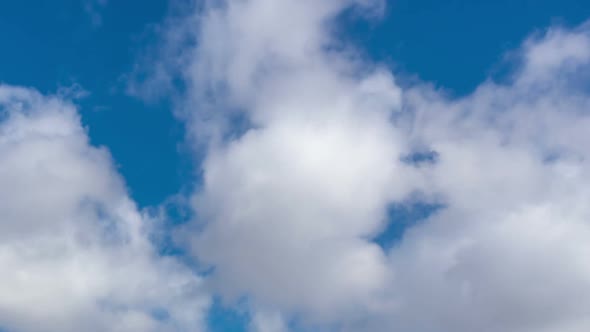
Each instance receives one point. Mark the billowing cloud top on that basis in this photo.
(307, 146)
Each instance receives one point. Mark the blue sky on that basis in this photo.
(93, 47)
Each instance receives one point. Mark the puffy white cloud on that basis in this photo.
(287, 209)
(508, 251)
(74, 249)
(295, 198)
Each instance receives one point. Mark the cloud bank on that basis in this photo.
(305, 147)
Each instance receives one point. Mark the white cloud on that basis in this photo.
(287, 210)
(508, 251)
(74, 249)
(263, 321)
(293, 200)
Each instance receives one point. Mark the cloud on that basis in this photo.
(288, 205)
(304, 189)
(93, 9)
(74, 249)
(267, 322)
(506, 253)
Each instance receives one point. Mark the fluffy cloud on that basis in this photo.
(305, 147)
(290, 201)
(508, 252)
(74, 249)
(295, 198)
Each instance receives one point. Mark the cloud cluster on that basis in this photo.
(305, 147)
(291, 199)
(509, 250)
(74, 249)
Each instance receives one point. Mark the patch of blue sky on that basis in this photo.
(400, 218)
(456, 44)
(226, 318)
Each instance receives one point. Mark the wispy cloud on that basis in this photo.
(93, 9)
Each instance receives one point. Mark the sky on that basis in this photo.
(295, 165)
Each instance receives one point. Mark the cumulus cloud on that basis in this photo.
(507, 253)
(295, 198)
(289, 203)
(75, 252)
